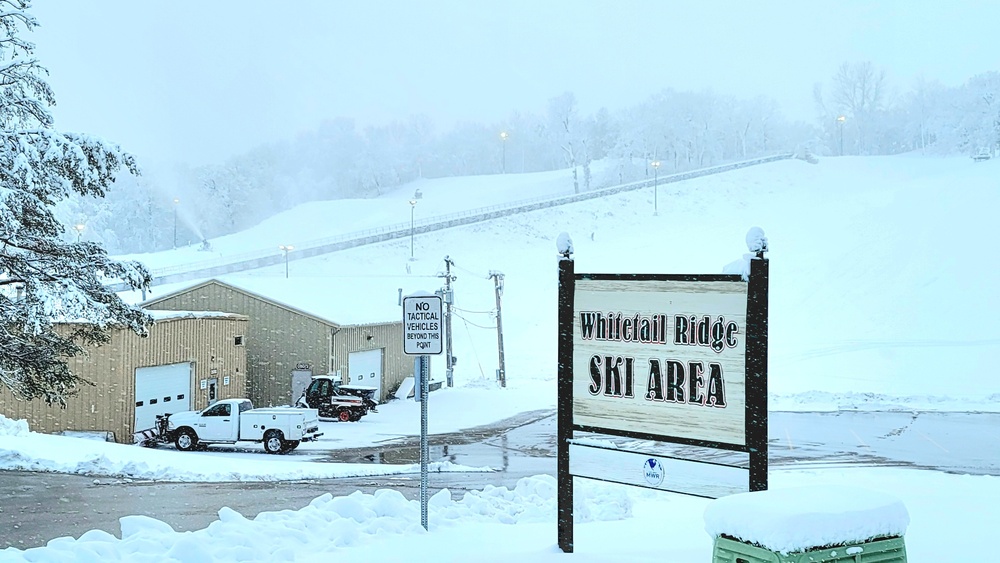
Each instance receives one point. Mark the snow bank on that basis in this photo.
(801, 518)
(9, 427)
(44, 452)
(324, 526)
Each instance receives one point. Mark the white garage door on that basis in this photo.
(365, 368)
(159, 390)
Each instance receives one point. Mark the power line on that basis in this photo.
(467, 321)
(473, 345)
(468, 271)
(490, 312)
(402, 276)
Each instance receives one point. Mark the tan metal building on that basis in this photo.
(189, 360)
(286, 345)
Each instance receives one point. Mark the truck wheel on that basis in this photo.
(288, 445)
(273, 440)
(186, 440)
(356, 416)
(344, 415)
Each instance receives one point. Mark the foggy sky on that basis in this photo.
(201, 81)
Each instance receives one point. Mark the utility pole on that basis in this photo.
(498, 284)
(449, 300)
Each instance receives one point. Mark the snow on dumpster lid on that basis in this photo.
(801, 518)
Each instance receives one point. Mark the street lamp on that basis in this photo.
(656, 166)
(503, 152)
(176, 201)
(286, 248)
(413, 207)
(840, 121)
(79, 230)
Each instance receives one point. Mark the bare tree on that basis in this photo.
(563, 129)
(859, 94)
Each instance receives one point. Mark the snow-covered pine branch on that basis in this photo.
(47, 282)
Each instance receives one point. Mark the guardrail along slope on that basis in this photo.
(264, 258)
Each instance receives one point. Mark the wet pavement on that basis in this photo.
(963, 443)
(520, 439)
(38, 507)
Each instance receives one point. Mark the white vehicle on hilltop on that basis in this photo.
(235, 420)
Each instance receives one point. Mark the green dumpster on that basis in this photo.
(813, 524)
(881, 550)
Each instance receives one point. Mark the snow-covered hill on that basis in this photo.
(881, 267)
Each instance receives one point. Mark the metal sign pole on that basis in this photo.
(422, 336)
(425, 364)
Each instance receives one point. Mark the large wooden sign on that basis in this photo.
(661, 356)
(678, 359)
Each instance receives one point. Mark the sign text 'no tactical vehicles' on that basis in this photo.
(422, 325)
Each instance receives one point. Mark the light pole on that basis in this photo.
(79, 230)
(176, 201)
(503, 152)
(413, 207)
(286, 248)
(840, 122)
(656, 166)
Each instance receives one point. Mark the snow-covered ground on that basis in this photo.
(951, 517)
(881, 291)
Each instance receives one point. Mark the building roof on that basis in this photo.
(335, 301)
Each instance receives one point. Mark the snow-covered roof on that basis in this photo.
(170, 315)
(335, 300)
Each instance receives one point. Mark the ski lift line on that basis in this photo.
(468, 322)
(317, 247)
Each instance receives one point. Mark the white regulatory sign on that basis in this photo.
(422, 325)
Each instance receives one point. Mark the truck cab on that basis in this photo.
(219, 422)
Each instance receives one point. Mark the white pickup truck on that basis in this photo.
(235, 420)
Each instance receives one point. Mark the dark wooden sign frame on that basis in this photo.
(755, 377)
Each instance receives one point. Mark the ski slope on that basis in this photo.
(881, 271)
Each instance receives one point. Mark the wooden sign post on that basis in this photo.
(677, 359)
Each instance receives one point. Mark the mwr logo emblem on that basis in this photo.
(653, 472)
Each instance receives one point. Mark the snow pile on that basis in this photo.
(950, 516)
(323, 527)
(564, 244)
(534, 500)
(802, 518)
(10, 427)
(756, 240)
(739, 267)
(756, 243)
